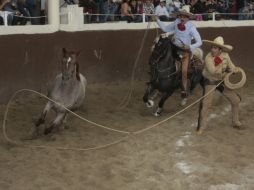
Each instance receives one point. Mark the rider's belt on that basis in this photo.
(179, 48)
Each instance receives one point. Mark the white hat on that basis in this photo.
(185, 10)
(219, 41)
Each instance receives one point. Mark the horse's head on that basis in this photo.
(70, 67)
(161, 56)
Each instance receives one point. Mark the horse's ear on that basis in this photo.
(64, 51)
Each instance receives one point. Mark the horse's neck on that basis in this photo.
(69, 85)
(168, 60)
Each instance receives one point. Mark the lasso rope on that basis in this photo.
(127, 98)
(9, 140)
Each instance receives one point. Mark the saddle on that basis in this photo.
(196, 63)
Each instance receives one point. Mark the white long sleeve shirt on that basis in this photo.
(160, 11)
(183, 37)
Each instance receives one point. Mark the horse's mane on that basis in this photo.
(156, 40)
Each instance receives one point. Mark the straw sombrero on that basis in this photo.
(185, 10)
(219, 42)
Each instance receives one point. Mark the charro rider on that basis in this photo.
(184, 32)
(217, 65)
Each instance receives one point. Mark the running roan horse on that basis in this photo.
(165, 76)
(68, 89)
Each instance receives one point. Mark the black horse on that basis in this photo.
(165, 77)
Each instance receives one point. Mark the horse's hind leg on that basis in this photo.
(58, 120)
(164, 97)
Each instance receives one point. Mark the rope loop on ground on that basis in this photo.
(127, 133)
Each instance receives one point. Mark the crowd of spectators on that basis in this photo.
(131, 10)
(21, 12)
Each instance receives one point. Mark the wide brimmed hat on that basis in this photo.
(185, 10)
(219, 42)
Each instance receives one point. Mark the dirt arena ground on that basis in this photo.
(170, 156)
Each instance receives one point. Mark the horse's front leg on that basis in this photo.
(164, 97)
(58, 120)
(41, 120)
(34, 133)
(149, 95)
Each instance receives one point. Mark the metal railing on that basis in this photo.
(5, 14)
(205, 16)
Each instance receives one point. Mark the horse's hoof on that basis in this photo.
(239, 127)
(200, 132)
(184, 102)
(150, 103)
(158, 112)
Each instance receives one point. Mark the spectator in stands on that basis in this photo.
(112, 7)
(133, 7)
(233, 9)
(148, 9)
(177, 4)
(156, 3)
(136, 11)
(220, 9)
(89, 8)
(161, 11)
(198, 8)
(101, 9)
(244, 9)
(251, 12)
(44, 8)
(210, 6)
(9, 7)
(126, 14)
(28, 9)
(171, 10)
(3, 12)
(31, 7)
(140, 11)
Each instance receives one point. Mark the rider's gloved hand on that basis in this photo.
(186, 47)
(227, 70)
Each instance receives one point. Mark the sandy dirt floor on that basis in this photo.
(171, 156)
